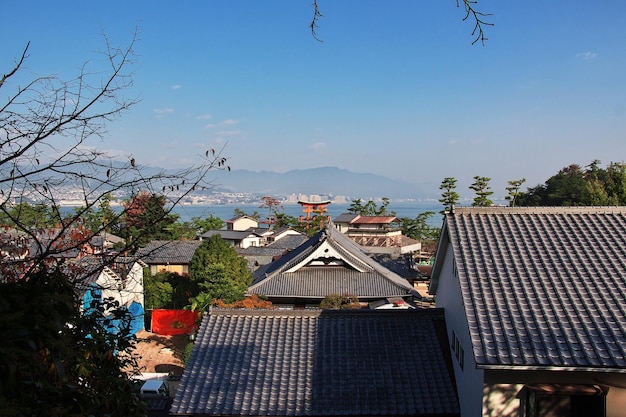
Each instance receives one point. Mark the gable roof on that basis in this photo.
(236, 235)
(289, 242)
(314, 363)
(175, 252)
(542, 287)
(328, 263)
(352, 218)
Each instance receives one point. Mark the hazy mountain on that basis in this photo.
(323, 181)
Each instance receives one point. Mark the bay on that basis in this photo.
(225, 212)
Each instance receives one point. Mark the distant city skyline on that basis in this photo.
(383, 93)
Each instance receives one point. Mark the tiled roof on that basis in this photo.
(374, 219)
(361, 219)
(318, 282)
(404, 266)
(345, 218)
(318, 363)
(542, 287)
(305, 272)
(175, 252)
(288, 242)
(229, 234)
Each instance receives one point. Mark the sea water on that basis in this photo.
(227, 211)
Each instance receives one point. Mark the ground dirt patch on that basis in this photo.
(160, 353)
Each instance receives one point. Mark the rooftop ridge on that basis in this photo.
(541, 210)
(215, 311)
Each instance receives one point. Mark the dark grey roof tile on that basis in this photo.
(304, 363)
(172, 251)
(543, 286)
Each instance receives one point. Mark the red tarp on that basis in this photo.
(169, 322)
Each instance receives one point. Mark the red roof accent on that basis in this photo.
(374, 219)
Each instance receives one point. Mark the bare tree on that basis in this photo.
(471, 14)
(50, 130)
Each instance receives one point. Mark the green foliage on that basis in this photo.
(217, 284)
(55, 361)
(197, 226)
(370, 208)
(186, 353)
(575, 186)
(99, 218)
(418, 228)
(168, 290)
(285, 220)
(240, 213)
(340, 302)
(209, 223)
(219, 273)
(483, 191)
(514, 191)
(146, 218)
(157, 291)
(449, 197)
(29, 216)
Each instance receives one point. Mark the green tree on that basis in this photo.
(219, 272)
(345, 301)
(575, 186)
(31, 216)
(568, 187)
(449, 197)
(514, 191)
(157, 291)
(418, 228)
(240, 213)
(285, 220)
(370, 208)
(56, 361)
(614, 180)
(147, 218)
(483, 190)
(211, 222)
(273, 206)
(192, 229)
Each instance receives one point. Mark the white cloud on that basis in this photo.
(177, 87)
(228, 133)
(204, 117)
(229, 122)
(163, 112)
(587, 56)
(318, 145)
(209, 126)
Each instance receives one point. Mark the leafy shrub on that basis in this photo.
(187, 353)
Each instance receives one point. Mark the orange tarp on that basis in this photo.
(170, 322)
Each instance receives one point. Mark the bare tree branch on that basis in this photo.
(470, 11)
(46, 132)
(478, 17)
(316, 16)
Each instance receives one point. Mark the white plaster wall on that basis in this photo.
(469, 380)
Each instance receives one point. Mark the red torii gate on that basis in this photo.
(313, 207)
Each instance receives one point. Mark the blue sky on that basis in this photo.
(396, 88)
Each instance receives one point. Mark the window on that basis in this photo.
(556, 400)
(457, 350)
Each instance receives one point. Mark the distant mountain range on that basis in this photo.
(331, 181)
(323, 181)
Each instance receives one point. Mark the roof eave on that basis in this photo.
(545, 368)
